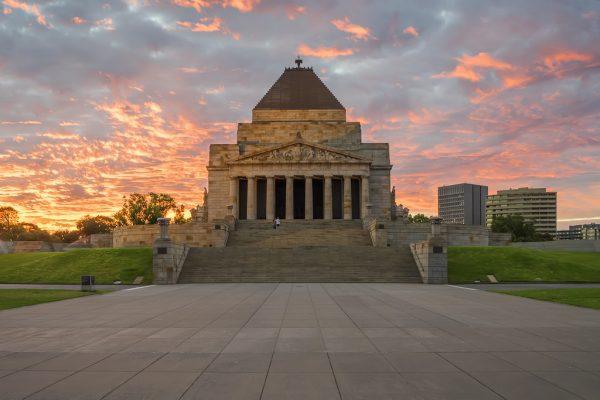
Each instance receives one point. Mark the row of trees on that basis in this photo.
(137, 209)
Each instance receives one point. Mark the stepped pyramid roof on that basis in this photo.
(299, 88)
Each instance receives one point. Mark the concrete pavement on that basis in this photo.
(300, 341)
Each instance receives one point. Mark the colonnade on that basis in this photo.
(327, 201)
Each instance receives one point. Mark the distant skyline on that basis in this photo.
(99, 99)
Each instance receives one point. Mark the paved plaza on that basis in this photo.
(300, 341)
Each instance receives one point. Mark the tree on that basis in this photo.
(418, 219)
(8, 217)
(521, 230)
(140, 209)
(89, 225)
(66, 236)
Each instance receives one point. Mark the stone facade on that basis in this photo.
(299, 163)
(192, 234)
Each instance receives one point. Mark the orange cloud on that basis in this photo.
(78, 21)
(411, 31)
(553, 61)
(468, 65)
(203, 26)
(356, 31)
(20, 123)
(198, 5)
(323, 52)
(29, 9)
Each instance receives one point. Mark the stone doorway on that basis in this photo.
(280, 198)
(337, 198)
(355, 195)
(261, 198)
(299, 195)
(243, 199)
(317, 198)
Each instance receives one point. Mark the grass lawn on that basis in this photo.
(514, 264)
(108, 265)
(582, 297)
(12, 298)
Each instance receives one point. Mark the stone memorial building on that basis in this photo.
(301, 161)
(299, 158)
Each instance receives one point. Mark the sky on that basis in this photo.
(100, 99)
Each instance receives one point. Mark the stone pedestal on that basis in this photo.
(167, 257)
(431, 255)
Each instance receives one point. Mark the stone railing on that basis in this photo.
(431, 255)
(167, 257)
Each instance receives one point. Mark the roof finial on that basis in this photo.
(298, 62)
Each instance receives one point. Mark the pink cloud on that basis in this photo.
(468, 67)
(357, 32)
(323, 52)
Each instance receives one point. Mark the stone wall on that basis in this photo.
(298, 115)
(397, 233)
(590, 246)
(192, 234)
(101, 240)
(500, 239)
(7, 247)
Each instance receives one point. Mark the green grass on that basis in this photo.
(12, 298)
(108, 265)
(582, 297)
(513, 264)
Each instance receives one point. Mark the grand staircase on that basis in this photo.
(299, 251)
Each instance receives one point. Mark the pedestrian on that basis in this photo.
(277, 222)
(274, 224)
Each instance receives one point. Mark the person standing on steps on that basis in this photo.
(277, 222)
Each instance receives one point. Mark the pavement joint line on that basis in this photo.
(246, 323)
(461, 287)
(139, 287)
(287, 302)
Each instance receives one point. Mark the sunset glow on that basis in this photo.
(102, 99)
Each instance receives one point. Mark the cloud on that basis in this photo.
(411, 30)
(32, 9)
(208, 25)
(356, 31)
(469, 67)
(323, 52)
(199, 5)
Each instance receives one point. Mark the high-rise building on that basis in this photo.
(535, 205)
(463, 203)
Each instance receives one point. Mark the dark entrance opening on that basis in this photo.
(243, 199)
(317, 198)
(337, 198)
(299, 195)
(280, 198)
(355, 192)
(261, 198)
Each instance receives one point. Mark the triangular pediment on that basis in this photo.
(301, 152)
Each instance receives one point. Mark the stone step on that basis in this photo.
(299, 264)
(292, 233)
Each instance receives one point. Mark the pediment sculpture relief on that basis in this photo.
(299, 153)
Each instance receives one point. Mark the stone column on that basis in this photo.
(366, 200)
(289, 197)
(233, 196)
(308, 198)
(347, 197)
(327, 202)
(270, 198)
(251, 214)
